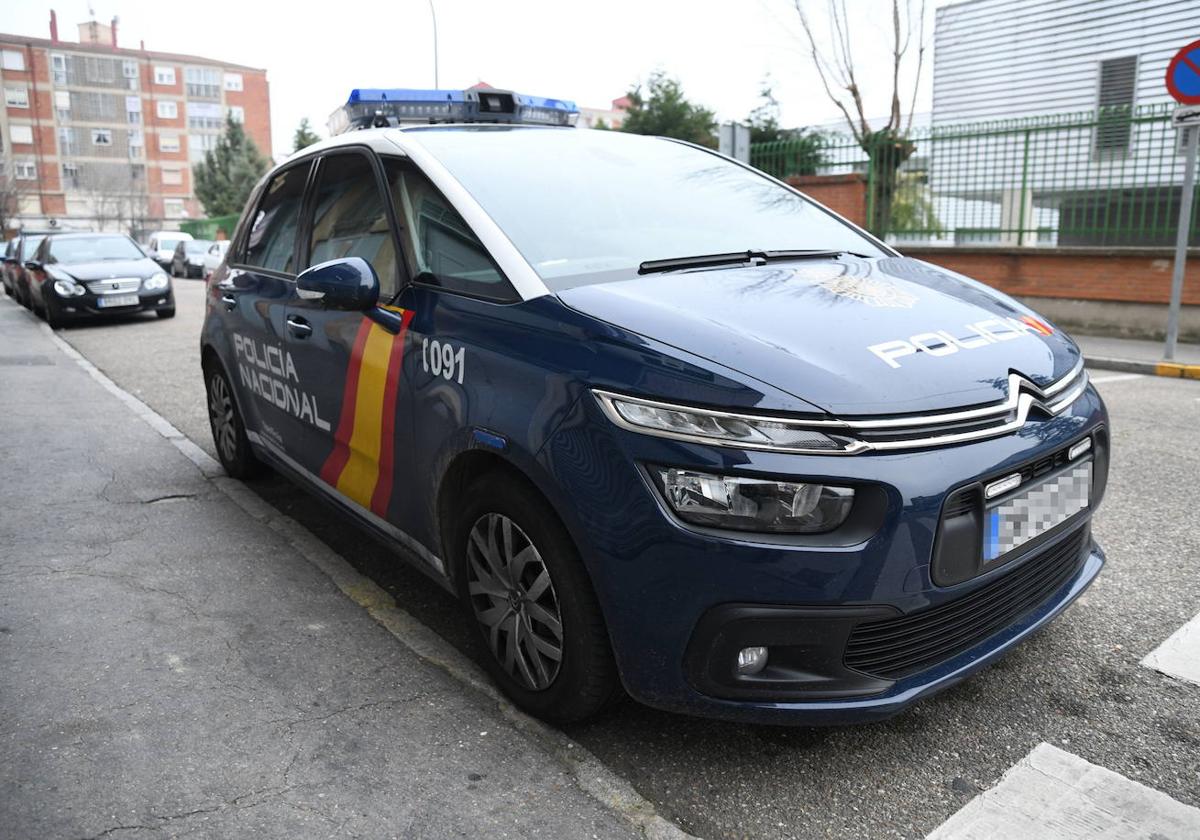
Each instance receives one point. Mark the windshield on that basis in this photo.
(79, 249)
(580, 201)
(168, 244)
(30, 245)
(196, 246)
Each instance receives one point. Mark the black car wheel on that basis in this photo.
(228, 430)
(532, 602)
(50, 312)
(165, 313)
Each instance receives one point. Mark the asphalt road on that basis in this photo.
(1078, 685)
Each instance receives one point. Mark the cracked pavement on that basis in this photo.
(171, 668)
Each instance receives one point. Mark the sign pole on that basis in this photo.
(1181, 241)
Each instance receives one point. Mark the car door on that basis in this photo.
(349, 362)
(252, 296)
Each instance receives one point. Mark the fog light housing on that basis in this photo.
(751, 661)
(754, 504)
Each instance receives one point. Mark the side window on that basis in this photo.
(350, 218)
(272, 239)
(440, 247)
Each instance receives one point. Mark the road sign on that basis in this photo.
(1183, 75)
(1183, 83)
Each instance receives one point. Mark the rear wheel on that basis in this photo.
(532, 603)
(228, 430)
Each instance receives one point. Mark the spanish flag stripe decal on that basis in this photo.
(358, 477)
(383, 487)
(341, 448)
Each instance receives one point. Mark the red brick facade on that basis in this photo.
(845, 195)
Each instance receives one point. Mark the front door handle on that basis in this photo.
(230, 302)
(298, 327)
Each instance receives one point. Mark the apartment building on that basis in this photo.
(97, 136)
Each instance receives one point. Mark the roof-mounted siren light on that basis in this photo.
(379, 107)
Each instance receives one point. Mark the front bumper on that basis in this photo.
(677, 599)
(88, 306)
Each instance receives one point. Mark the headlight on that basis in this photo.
(157, 281)
(754, 504)
(68, 288)
(717, 427)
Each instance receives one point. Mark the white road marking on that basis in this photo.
(1116, 377)
(1179, 655)
(1051, 794)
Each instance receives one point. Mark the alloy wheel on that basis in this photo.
(221, 416)
(514, 600)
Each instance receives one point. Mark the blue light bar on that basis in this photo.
(377, 107)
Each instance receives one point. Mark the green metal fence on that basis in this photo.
(218, 227)
(1099, 178)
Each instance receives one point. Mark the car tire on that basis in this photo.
(165, 313)
(228, 429)
(7, 290)
(515, 616)
(53, 319)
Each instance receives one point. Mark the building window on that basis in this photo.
(20, 133)
(173, 208)
(205, 115)
(66, 142)
(62, 104)
(203, 81)
(71, 174)
(237, 113)
(164, 75)
(168, 142)
(58, 63)
(167, 110)
(101, 136)
(25, 170)
(129, 69)
(200, 144)
(1114, 120)
(16, 97)
(13, 60)
(137, 171)
(233, 81)
(133, 110)
(172, 177)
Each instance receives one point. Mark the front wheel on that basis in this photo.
(50, 312)
(228, 430)
(532, 603)
(165, 313)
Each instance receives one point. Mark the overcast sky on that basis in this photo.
(315, 53)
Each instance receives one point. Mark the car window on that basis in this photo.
(272, 238)
(439, 245)
(350, 218)
(29, 245)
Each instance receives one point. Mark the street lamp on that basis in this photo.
(433, 15)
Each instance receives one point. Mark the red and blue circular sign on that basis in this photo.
(1183, 75)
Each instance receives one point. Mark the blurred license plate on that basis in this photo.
(106, 301)
(1035, 510)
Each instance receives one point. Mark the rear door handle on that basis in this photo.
(298, 327)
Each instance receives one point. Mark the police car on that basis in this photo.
(660, 421)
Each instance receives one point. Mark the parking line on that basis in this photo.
(1052, 794)
(592, 775)
(1118, 377)
(1179, 655)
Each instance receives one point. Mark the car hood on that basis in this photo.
(110, 269)
(849, 335)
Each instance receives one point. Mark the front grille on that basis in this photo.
(115, 286)
(898, 647)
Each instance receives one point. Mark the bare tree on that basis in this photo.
(114, 196)
(12, 190)
(887, 146)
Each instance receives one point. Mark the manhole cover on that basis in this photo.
(25, 361)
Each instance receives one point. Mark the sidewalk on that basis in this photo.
(1138, 356)
(172, 666)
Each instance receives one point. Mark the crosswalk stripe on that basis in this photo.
(1052, 794)
(1179, 655)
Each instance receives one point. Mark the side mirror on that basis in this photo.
(33, 265)
(350, 284)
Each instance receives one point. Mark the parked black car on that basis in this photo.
(189, 258)
(78, 275)
(19, 249)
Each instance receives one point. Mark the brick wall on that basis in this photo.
(845, 195)
(1123, 275)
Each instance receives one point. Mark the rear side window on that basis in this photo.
(441, 249)
(271, 243)
(350, 218)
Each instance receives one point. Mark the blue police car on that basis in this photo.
(660, 421)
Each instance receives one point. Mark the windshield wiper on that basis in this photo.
(737, 258)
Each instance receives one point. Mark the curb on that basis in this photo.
(592, 775)
(1169, 369)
